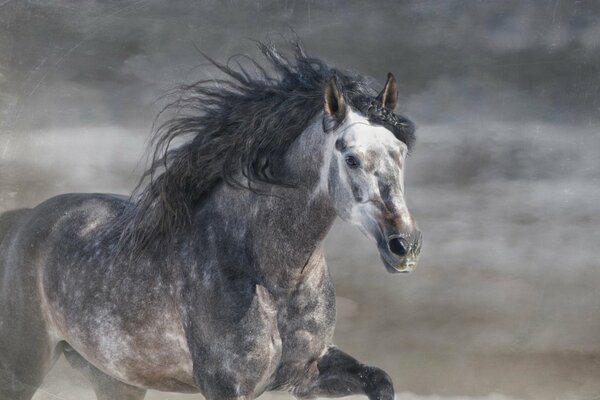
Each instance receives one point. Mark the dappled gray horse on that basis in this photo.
(212, 278)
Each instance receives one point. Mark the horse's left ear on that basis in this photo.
(335, 105)
(389, 95)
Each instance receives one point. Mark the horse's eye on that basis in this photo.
(352, 162)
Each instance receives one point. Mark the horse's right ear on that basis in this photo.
(389, 95)
(335, 105)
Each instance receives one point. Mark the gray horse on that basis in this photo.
(212, 279)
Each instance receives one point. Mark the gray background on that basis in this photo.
(504, 179)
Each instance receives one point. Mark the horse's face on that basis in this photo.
(366, 186)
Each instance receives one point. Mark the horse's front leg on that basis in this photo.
(339, 374)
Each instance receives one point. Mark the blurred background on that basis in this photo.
(504, 180)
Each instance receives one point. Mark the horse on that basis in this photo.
(211, 277)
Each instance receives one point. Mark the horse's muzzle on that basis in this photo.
(401, 252)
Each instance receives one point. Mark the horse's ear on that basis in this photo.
(389, 95)
(335, 105)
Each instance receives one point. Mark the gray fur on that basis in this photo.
(241, 303)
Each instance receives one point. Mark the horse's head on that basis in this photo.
(365, 175)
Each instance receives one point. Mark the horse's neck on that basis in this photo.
(286, 228)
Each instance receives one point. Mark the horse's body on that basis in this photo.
(240, 302)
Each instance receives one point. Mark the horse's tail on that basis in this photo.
(9, 219)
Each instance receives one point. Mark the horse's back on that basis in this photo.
(25, 232)
(60, 214)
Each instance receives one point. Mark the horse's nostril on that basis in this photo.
(398, 246)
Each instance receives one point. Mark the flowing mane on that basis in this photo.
(237, 124)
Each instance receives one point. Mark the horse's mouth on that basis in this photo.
(396, 265)
(402, 267)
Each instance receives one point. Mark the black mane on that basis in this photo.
(239, 123)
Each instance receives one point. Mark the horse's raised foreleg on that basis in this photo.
(105, 387)
(339, 374)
